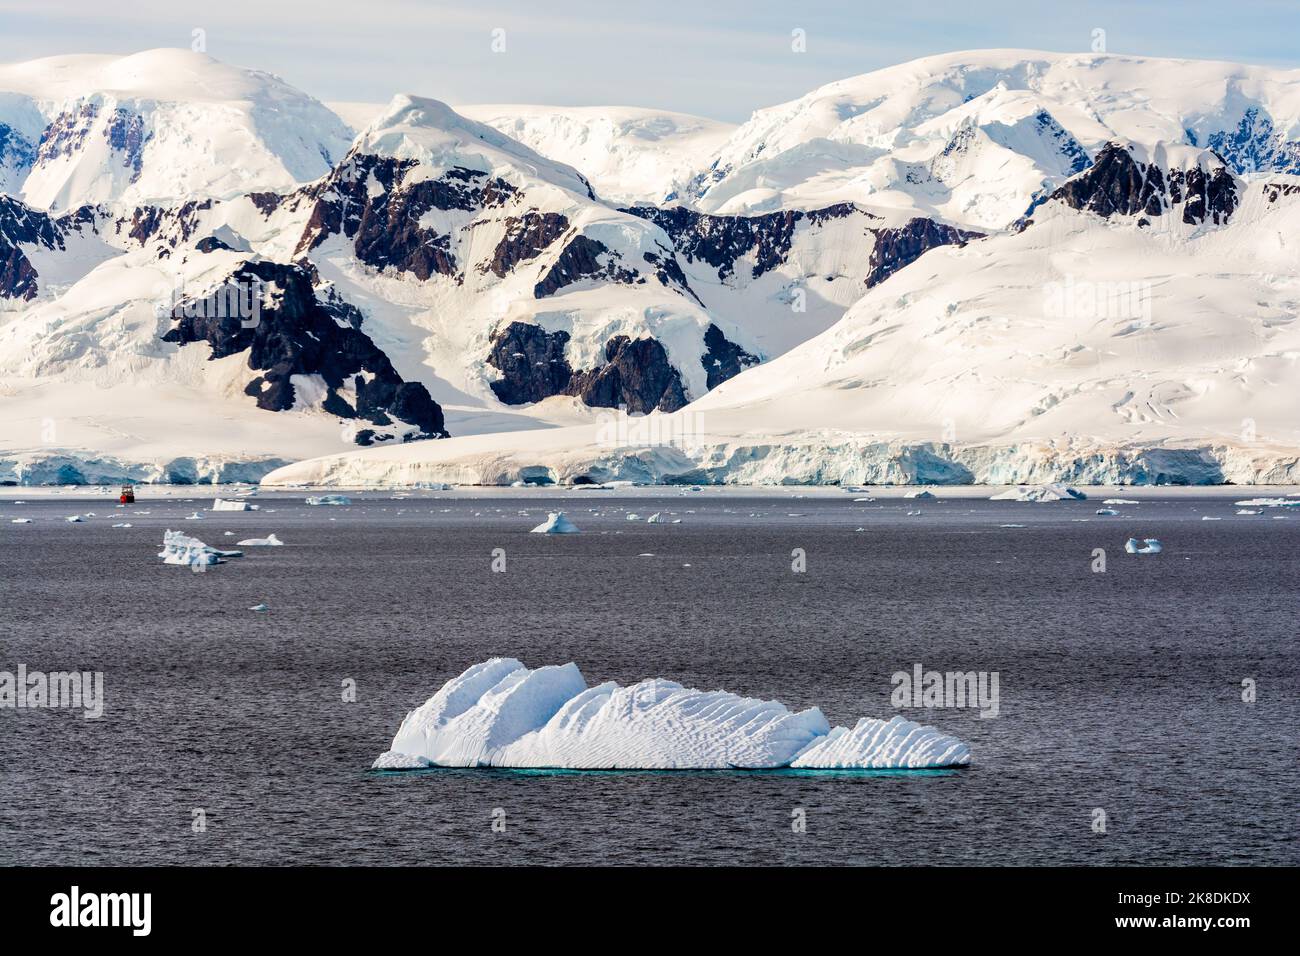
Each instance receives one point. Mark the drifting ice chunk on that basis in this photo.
(225, 504)
(918, 494)
(655, 518)
(1247, 511)
(502, 714)
(1107, 511)
(392, 760)
(260, 607)
(1269, 503)
(20, 520)
(556, 523)
(1145, 546)
(875, 743)
(1052, 492)
(1119, 501)
(75, 519)
(330, 500)
(180, 548)
(270, 541)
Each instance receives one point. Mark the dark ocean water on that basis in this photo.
(1119, 691)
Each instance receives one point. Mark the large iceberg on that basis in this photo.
(1145, 546)
(502, 714)
(180, 548)
(232, 504)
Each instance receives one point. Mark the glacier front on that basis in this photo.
(500, 713)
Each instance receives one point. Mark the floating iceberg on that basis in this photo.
(1052, 492)
(1247, 511)
(270, 541)
(502, 714)
(226, 504)
(180, 548)
(1119, 501)
(1145, 546)
(1107, 511)
(395, 761)
(1269, 503)
(260, 607)
(20, 521)
(330, 500)
(556, 523)
(918, 494)
(74, 519)
(655, 518)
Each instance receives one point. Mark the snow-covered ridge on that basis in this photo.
(502, 714)
(973, 137)
(156, 127)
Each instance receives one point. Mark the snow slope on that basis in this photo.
(160, 126)
(502, 714)
(630, 155)
(974, 136)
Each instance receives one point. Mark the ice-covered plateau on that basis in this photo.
(500, 713)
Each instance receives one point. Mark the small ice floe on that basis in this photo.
(330, 500)
(1210, 518)
(74, 519)
(122, 524)
(1268, 503)
(918, 494)
(1049, 492)
(633, 516)
(180, 548)
(646, 554)
(226, 504)
(1119, 501)
(20, 521)
(194, 517)
(392, 760)
(556, 523)
(861, 500)
(1249, 511)
(655, 518)
(913, 514)
(1145, 546)
(502, 714)
(260, 607)
(1107, 511)
(270, 541)
(1010, 526)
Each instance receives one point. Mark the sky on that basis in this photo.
(721, 58)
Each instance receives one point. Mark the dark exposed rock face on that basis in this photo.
(126, 134)
(66, 133)
(720, 241)
(211, 244)
(20, 225)
(298, 333)
(724, 358)
(367, 199)
(1275, 191)
(636, 373)
(525, 238)
(901, 246)
(1119, 185)
(581, 259)
(172, 226)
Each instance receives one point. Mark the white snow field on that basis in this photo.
(502, 714)
(968, 136)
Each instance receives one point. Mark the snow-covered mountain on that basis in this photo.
(971, 137)
(156, 127)
(1140, 326)
(984, 266)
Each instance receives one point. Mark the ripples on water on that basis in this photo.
(1119, 691)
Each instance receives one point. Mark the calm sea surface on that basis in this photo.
(1119, 691)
